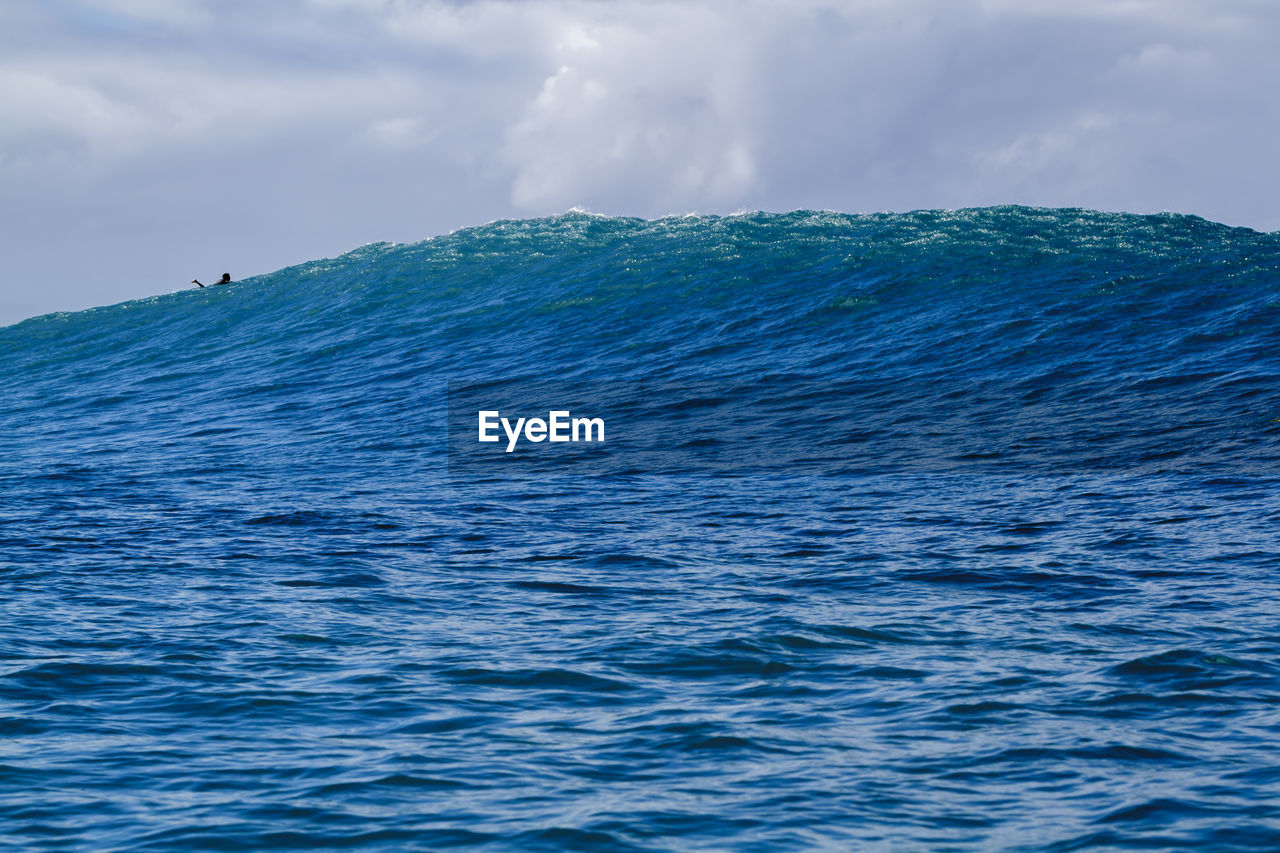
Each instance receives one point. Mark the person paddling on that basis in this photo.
(226, 279)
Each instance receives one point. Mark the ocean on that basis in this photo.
(945, 531)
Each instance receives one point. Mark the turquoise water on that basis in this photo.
(986, 561)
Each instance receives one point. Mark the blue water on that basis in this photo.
(1013, 584)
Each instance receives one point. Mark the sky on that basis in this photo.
(147, 142)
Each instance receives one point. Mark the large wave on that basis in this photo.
(1057, 336)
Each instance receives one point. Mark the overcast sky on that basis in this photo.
(146, 142)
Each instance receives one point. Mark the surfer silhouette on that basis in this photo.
(226, 279)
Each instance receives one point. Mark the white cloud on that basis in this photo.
(304, 127)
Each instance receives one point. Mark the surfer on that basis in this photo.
(226, 279)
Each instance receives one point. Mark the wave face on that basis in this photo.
(959, 534)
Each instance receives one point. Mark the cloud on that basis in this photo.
(154, 139)
(635, 109)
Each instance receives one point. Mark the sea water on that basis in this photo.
(935, 531)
